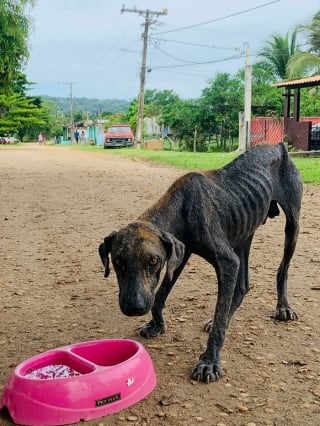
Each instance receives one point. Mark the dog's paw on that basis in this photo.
(151, 329)
(206, 371)
(285, 314)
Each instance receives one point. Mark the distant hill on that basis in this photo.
(93, 106)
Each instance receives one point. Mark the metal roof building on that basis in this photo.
(296, 132)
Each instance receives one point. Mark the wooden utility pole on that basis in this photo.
(71, 110)
(247, 97)
(148, 14)
(245, 117)
(71, 113)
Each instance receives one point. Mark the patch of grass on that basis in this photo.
(185, 160)
(309, 169)
(309, 166)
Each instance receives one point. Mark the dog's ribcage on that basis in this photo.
(247, 202)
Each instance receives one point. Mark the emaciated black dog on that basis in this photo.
(214, 215)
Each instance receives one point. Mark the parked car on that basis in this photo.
(315, 137)
(315, 132)
(118, 135)
(8, 140)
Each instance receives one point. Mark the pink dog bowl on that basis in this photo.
(82, 381)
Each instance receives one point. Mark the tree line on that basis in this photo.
(212, 118)
(89, 106)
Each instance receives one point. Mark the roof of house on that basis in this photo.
(300, 82)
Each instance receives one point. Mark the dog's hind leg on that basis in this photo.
(288, 193)
(283, 311)
(157, 324)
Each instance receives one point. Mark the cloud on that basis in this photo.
(99, 49)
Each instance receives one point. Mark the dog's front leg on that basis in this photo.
(208, 368)
(157, 324)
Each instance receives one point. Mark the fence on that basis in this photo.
(266, 129)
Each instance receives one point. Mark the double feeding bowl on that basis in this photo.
(81, 381)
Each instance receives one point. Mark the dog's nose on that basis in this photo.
(134, 307)
(134, 310)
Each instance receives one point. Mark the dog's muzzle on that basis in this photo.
(137, 305)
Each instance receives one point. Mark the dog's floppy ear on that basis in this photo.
(175, 252)
(104, 250)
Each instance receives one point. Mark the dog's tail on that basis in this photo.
(284, 152)
(287, 167)
(288, 173)
(283, 160)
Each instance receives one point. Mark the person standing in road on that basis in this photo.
(40, 138)
(82, 137)
(76, 136)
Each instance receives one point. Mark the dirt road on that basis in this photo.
(57, 205)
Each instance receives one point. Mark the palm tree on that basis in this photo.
(278, 51)
(305, 63)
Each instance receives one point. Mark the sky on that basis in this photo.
(90, 48)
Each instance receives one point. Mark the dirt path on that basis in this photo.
(56, 207)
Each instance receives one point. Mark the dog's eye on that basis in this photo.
(153, 261)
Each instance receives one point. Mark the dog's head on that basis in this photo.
(138, 253)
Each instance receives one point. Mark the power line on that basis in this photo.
(172, 57)
(219, 19)
(190, 64)
(196, 44)
(200, 63)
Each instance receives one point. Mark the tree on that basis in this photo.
(14, 33)
(156, 104)
(307, 62)
(161, 98)
(220, 104)
(55, 120)
(20, 115)
(309, 102)
(131, 115)
(183, 118)
(277, 53)
(117, 117)
(20, 84)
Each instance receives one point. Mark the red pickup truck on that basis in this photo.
(118, 135)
